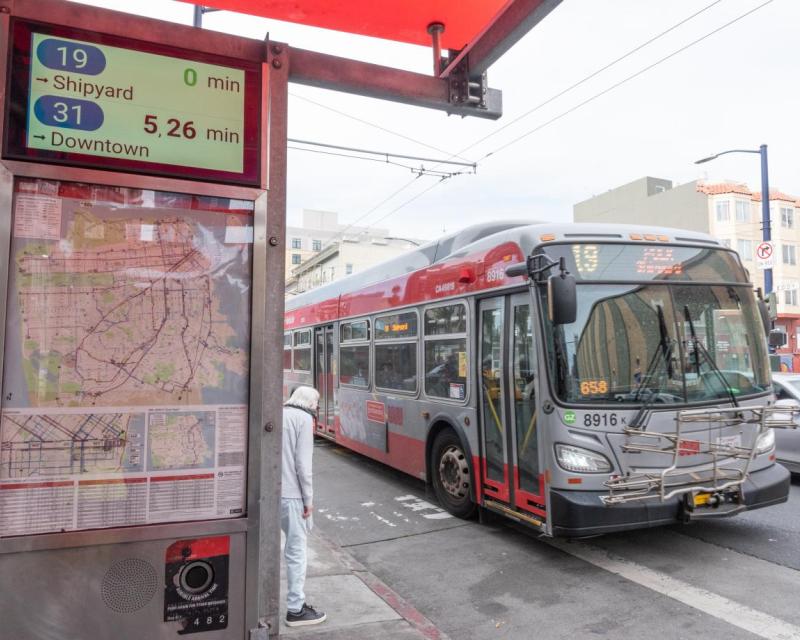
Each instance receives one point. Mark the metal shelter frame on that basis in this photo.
(459, 88)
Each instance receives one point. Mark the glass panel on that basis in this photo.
(642, 262)
(302, 359)
(492, 381)
(302, 338)
(127, 345)
(329, 413)
(446, 320)
(715, 319)
(401, 325)
(525, 399)
(396, 366)
(355, 330)
(287, 359)
(319, 381)
(624, 346)
(446, 368)
(354, 365)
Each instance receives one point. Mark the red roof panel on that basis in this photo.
(400, 20)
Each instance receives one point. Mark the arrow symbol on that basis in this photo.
(39, 137)
(42, 79)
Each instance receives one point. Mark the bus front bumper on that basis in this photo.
(576, 514)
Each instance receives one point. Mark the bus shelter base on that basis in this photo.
(578, 514)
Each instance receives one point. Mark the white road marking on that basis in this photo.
(734, 613)
(382, 519)
(423, 505)
(367, 504)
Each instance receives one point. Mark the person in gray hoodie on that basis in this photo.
(297, 501)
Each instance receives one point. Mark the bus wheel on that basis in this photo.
(451, 476)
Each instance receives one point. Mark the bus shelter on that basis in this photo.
(142, 223)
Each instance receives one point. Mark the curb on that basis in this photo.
(404, 609)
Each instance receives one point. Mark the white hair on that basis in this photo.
(304, 398)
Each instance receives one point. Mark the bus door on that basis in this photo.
(510, 438)
(527, 479)
(492, 391)
(323, 378)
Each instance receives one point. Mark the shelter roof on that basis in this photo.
(400, 20)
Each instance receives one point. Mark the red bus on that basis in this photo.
(579, 378)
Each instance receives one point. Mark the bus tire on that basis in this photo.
(452, 478)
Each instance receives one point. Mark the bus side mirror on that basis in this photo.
(519, 269)
(562, 298)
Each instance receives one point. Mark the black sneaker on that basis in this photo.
(307, 615)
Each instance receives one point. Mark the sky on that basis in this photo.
(737, 88)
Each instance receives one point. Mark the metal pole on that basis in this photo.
(198, 16)
(436, 29)
(765, 218)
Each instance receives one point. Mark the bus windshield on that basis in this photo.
(658, 343)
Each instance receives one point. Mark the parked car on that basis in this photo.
(787, 441)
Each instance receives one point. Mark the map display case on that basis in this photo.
(126, 377)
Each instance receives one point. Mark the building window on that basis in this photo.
(354, 353)
(295, 258)
(297, 243)
(787, 217)
(446, 352)
(396, 352)
(742, 211)
(789, 254)
(790, 297)
(348, 269)
(316, 245)
(302, 350)
(723, 211)
(745, 249)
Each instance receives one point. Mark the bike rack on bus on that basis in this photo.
(727, 468)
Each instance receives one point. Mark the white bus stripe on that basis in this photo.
(734, 613)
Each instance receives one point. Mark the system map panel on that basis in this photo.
(125, 385)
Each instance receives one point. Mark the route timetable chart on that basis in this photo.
(126, 367)
(87, 101)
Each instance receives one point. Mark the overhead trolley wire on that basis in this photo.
(624, 81)
(574, 108)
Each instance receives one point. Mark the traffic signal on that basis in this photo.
(772, 305)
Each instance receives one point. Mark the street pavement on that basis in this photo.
(733, 578)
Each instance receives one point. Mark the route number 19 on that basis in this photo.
(73, 57)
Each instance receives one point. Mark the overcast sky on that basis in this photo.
(737, 88)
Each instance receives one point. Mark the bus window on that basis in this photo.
(446, 353)
(354, 353)
(524, 352)
(395, 356)
(287, 351)
(302, 350)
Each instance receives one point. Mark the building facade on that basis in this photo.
(322, 250)
(728, 211)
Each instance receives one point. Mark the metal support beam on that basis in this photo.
(518, 18)
(385, 83)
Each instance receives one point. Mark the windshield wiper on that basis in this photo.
(665, 350)
(699, 350)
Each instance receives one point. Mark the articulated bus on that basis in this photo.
(578, 378)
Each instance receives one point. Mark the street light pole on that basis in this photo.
(766, 229)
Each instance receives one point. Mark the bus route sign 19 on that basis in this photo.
(140, 109)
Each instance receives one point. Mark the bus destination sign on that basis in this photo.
(136, 109)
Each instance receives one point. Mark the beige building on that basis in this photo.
(729, 211)
(322, 250)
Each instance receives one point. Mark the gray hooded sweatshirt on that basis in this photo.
(298, 446)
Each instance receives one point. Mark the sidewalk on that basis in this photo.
(359, 606)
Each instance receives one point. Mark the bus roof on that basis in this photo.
(482, 246)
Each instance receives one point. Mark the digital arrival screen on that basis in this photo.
(91, 103)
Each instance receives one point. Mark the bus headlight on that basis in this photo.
(766, 441)
(580, 460)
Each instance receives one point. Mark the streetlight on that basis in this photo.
(765, 222)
